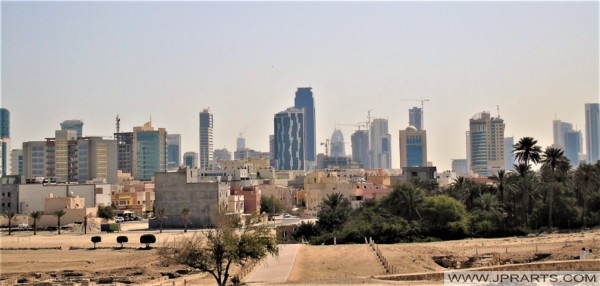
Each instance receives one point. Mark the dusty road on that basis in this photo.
(274, 269)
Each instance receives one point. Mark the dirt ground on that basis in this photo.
(73, 258)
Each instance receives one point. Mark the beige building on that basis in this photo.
(75, 211)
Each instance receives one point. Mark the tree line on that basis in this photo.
(555, 197)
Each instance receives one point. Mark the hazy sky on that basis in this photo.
(167, 61)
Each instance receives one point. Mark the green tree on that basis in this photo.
(105, 212)
(271, 205)
(333, 213)
(501, 178)
(9, 215)
(185, 216)
(122, 239)
(59, 214)
(36, 216)
(487, 214)
(445, 217)
(161, 217)
(405, 201)
(552, 158)
(305, 231)
(587, 179)
(214, 251)
(96, 239)
(526, 151)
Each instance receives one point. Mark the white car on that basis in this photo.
(119, 219)
(23, 225)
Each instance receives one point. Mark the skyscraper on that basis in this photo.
(173, 151)
(380, 142)
(592, 131)
(360, 147)
(509, 160)
(304, 100)
(4, 142)
(206, 139)
(240, 142)
(415, 118)
(573, 146)
(149, 151)
(413, 147)
(559, 130)
(190, 159)
(486, 138)
(338, 148)
(75, 125)
(289, 140)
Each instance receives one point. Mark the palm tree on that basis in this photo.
(334, 211)
(58, 215)
(185, 216)
(36, 215)
(526, 150)
(522, 169)
(9, 215)
(551, 158)
(88, 221)
(405, 200)
(587, 178)
(501, 179)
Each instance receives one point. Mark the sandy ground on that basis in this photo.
(314, 265)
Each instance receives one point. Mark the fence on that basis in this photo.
(389, 268)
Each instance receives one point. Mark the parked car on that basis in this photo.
(138, 218)
(287, 216)
(23, 225)
(119, 219)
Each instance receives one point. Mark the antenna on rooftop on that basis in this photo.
(118, 123)
(498, 109)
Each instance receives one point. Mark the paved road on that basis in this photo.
(274, 269)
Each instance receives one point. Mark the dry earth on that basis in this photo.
(315, 265)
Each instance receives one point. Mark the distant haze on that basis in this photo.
(537, 61)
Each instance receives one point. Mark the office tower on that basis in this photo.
(16, 162)
(75, 125)
(34, 159)
(289, 139)
(65, 150)
(380, 142)
(360, 147)
(413, 147)
(4, 142)
(559, 130)
(509, 159)
(592, 131)
(337, 148)
(415, 118)
(124, 151)
(272, 162)
(486, 143)
(573, 146)
(173, 151)
(222, 155)
(149, 151)
(240, 142)
(206, 139)
(190, 159)
(460, 167)
(304, 101)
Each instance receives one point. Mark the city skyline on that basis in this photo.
(90, 61)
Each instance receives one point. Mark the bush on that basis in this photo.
(96, 239)
(147, 239)
(122, 239)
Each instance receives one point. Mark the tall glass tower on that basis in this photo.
(4, 141)
(4, 123)
(360, 148)
(381, 144)
(149, 151)
(415, 118)
(173, 151)
(304, 100)
(289, 140)
(592, 131)
(75, 125)
(486, 144)
(206, 139)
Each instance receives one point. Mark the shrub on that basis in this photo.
(96, 239)
(147, 239)
(122, 239)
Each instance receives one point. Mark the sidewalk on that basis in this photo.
(274, 269)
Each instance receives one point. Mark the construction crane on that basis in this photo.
(326, 144)
(421, 100)
(359, 125)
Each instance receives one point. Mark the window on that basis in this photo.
(122, 203)
(8, 195)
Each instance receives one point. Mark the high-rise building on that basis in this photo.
(415, 118)
(486, 138)
(4, 142)
(289, 140)
(149, 151)
(304, 100)
(413, 147)
(124, 151)
(206, 139)
(75, 125)
(222, 155)
(240, 142)
(559, 130)
(190, 160)
(509, 159)
(360, 148)
(16, 162)
(380, 142)
(573, 140)
(592, 131)
(70, 159)
(460, 167)
(338, 145)
(173, 151)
